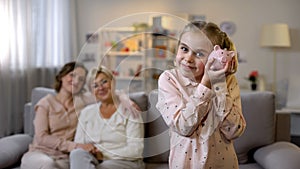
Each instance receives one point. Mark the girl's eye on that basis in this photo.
(184, 49)
(199, 54)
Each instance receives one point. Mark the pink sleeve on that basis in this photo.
(182, 112)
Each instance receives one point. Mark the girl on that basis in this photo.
(201, 106)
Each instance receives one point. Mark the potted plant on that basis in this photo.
(253, 76)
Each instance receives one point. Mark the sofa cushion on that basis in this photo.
(272, 156)
(27, 118)
(157, 166)
(36, 94)
(141, 99)
(259, 112)
(250, 166)
(157, 140)
(12, 148)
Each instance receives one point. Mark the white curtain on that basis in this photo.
(36, 38)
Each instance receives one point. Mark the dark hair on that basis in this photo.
(67, 68)
(213, 33)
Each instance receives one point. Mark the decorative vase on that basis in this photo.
(253, 86)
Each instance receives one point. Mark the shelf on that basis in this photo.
(117, 53)
(128, 51)
(157, 59)
(119, 29)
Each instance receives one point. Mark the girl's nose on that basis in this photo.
(189, 57)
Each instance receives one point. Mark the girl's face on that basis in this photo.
(73, 81)
(193, 51)
(102, 88)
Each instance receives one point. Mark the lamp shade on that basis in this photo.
(275, 35)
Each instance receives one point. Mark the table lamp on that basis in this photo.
(275, 36)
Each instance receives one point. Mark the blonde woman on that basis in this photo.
(117, 135)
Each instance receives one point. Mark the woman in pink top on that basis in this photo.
(201, 106)
(56, 120)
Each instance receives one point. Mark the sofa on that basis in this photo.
(256, 148)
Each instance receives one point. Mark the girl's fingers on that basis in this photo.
(210, 61)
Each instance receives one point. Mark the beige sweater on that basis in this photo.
(55, 127)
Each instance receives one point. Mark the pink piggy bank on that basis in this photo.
(221, 57)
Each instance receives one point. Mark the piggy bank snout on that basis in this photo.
(224, 59)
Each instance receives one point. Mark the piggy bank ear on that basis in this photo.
(231, 53)
(217, 47)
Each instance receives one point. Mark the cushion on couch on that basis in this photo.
(141, 99)
(27, 117)
(271, 156)
(259, 112)
(157, 140)
(36, 94)
(12, 148)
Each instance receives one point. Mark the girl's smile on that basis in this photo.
(192, 54)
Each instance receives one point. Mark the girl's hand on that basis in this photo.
(231, 66)
(214, 76)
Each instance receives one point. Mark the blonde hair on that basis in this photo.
(96, 71)
(214, 34)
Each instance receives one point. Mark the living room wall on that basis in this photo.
(248, 16)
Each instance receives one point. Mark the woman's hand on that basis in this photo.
(89, 147)
(98, 155)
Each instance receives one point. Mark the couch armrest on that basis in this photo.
(278, 155)
(27, 118)
(12, 149)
